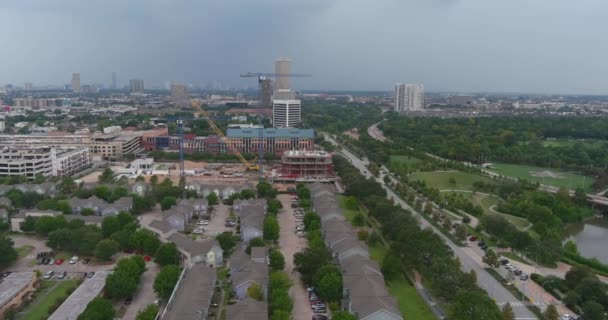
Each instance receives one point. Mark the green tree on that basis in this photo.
(68, 185)
(149, 313)
(120, 285)
(166, 280)
(473, 305)
(109, 226)
(391, 266)
(461, 231)
(154, 180)
(124, 238)
(271, 228)
(255, 242)
(280, 315)
(277, 261)
(212, 198)
(507, 312)
(29, 224)
(593, 310)
(167, 254)
(343, 315)
(105, 249)
(255, 291)
(44, 225)
(226, 241)
(87, 212)
(491, 259)
(7, 250)
(146, 241)
(106, 176)
(167, 202)
(551, 313)
(570, 247)
(266, 190)
(274, 205)
(328, 282)
(575, 276)
(98, 309)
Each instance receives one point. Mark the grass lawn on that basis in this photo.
(52, 292)
(441, 179)
(548, 176)
(410, 303)
(404, 159)
(348, 214)
(486, 202)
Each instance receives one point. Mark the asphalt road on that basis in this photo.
(468, 263)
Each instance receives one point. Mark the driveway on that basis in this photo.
(218, 220)
(290, 244)
(145, 294)
(150, 215)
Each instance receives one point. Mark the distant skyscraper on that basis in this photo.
(28, 86)
(114, 80)
(179, 95)
(409, 97)
(76, 82)
(282, 66)
(137, 86)
(286, 113)
(266, 94)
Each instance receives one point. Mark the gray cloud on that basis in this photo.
(455, 45)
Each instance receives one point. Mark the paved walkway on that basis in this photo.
(289, 245)
(145, 294)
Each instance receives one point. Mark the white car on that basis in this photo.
(202, 223)
(49, 274)
(198, 230)
(73, 260)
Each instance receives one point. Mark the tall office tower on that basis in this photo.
(137, 86)
(409, 97)
(266, 94)
(76, 82)
(286, 113)
(113, 80)
(282, 66)
(179, 95)
(28, 86)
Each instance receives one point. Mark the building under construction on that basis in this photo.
(302, 165)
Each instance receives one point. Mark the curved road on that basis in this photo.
(466, 257)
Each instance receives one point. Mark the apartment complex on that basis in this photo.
(409, 97)
(286, 113)
(44, 161)
(33, 103)
(137, 86)
(76, 82)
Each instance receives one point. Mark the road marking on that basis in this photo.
(520, 304)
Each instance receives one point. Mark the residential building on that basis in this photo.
(19, 218)
(251, 213)
(286, 113)
(114, 85)
(101, 207)
(137, 86)
(68, 162)
(266, 93)
(44, 161)
(222, 190)
(247, 309)
(90, 289)
(244, 272)
(76, 82)
(282, 70)
(409, 97)
(179, 95)
(35, 103)
(207, 251)
(2, 126)
(192, 295)
(14, 289)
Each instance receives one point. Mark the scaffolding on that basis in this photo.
(303, 164)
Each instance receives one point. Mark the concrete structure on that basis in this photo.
(33, 102)
(44, 161)
(266, 93)
(409, 97)
(137, 86)
(222, 190)
(114, 85)
(365, 293)
(282, 66)
(76, 82)
(306, 164)
(191, 299)
(14, 289)
(80, 298)
(286, 113)
(179, 95)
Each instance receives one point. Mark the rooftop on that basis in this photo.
(78, 300)
(13, 284)
(270, 133)
(192, 295)
(247, 309)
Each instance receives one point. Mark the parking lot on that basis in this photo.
(145, 294)
(290, 244)
(218, 220)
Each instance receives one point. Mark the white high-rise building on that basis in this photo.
(286, 113)
(76, 82)
(409, 97)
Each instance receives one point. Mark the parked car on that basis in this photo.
(318, 305)
(198, 231)
(481, 243)
(49, 274)
(86, 261)
(74, 259)
(319, 317)
(52, 261)
(518, 272)
(504, 261)
(85, 275)
(62, 275)
(523, 277)
(91, 274)
(300, 228)
(128, 300)
(59, 261)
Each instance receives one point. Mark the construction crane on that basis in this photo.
(261, 77)
(248, 164)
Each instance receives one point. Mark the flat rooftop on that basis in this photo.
(13, 285)
(80, 298)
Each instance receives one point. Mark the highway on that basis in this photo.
(467, 258)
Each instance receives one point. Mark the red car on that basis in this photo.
(59, 261)
(147, 258)
(473, 238)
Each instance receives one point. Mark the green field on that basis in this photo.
(569, 143)
(410, 303)
(548, 176)
(348, 214)
(405, 159)
(51, 293)
(486, 202)
(441, 179)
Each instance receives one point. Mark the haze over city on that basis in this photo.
(449, 45)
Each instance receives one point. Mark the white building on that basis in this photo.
(32, 161)
(2, 126)
(286, 113)
(409, 97)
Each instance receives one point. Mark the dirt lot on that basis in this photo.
(291, 244)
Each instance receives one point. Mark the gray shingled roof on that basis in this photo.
(251, 271)
(161, 226)
(247, 309)
(193, 294)
(194, 248)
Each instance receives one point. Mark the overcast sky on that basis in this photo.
(536, 46)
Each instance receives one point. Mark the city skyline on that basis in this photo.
(519, 46)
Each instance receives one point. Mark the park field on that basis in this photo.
(404, 159)
(547, 176)
(441, 179)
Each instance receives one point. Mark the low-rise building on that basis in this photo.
(247, 309)
(100, 206)
(246, 271)
(14, 289)
(192, 295)
(42, 161)
(91, 288)
(207, 251)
